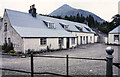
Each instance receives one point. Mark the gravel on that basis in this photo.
(53, 65)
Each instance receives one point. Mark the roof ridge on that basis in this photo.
(16, 11)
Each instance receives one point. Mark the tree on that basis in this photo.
(66, 17)
(90, 21)
(116, 20)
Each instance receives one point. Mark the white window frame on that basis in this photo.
(43, 41)
(65, 26)
(49, 24)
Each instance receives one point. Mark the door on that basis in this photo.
(86, 39)
(67, 42)
(80, 39)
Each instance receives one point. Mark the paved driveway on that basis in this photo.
(76, 67)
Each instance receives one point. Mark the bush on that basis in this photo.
(7, 47)
(4, 46)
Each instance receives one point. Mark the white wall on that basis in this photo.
(106, 40)
(96, 39)
(73, 45)
(53, 43)
(84, 34)
(111, 39)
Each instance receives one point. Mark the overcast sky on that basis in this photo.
(103, 8)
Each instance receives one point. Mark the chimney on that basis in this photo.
(33, 10)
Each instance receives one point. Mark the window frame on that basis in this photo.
(65, 26)
(43, 41)
(90, 38)
(72, 40)
(116, 36)
(61, 41)
(9, 41)
(48, 24)
(79, 28)
(5, 27)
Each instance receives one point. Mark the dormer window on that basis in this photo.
(65, 26)
(79, 28)
(49, 24)
(87, 29)
(5, 27)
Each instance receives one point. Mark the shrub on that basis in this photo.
(4, 46)
(7, 47)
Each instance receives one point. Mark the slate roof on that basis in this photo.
(116, 30)
(28, 26)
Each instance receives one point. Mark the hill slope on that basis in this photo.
(68, 10)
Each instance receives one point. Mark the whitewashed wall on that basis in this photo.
(111, 39)
(73, 45)
(84, 34)
(52, 43)
(96, 39)
(106, 40)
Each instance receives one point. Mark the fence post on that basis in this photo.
(32, 64)
(67, 67)
(109, 68)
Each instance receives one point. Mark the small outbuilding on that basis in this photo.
(114, 36)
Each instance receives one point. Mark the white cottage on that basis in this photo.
(28, 32)
(114, 36)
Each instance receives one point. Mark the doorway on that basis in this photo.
(86, 39)
(67, 42)
(80, 39)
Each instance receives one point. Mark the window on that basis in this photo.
(116, 37)
(65, 26)
(5, 27)
(61, 41)
(9, 41)
(5, 40)
(73, 40)
(91, 38)
(87, 29)
(49, 24)
(43, 41)
(79, 28)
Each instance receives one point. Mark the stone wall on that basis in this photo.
(12, 34)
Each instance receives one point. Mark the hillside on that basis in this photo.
(68, 10)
